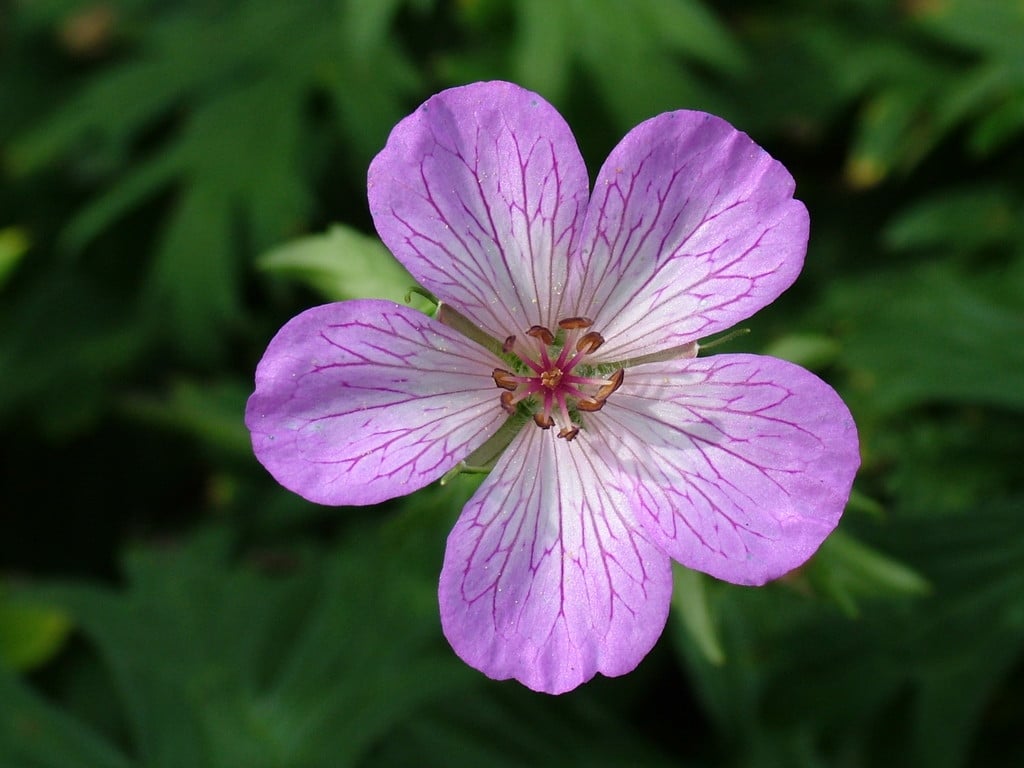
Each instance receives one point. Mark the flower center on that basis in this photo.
(552, 375)
(552, 378)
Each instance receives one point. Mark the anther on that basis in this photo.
(507, 403)
(589, 342)
(573, 323)
(542, 333)
(552, 378)
(590, 404)
(510, 342)
(613, 384)
(542, 421)
(504, 379)
(569, 433)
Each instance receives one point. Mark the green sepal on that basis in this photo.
(455, 319)
(432, 300)
(484, 458)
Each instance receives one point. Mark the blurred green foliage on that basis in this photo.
(177, 179)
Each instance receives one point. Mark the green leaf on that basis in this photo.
(954, 460)
(214, 107)
(849, 571)
(140, 183)
(986, 26)
(691, 28)
(907, 683)
(971, 631)
(194, 282)
(293, 659)
(965, 219)
(861, 502)
(370, 81)
(14, 243)
(41, 350)
(30, 633)
(887, 125)
(508, 727)
(36, 734)
(690, 604)
(929, 334)
(812, 351)
(612, 41)
(1001, 124)
(991, 92)
(341, 264)
(210, 411)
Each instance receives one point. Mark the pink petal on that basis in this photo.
(547, 579)
(366, 400)
(737, 465)
(691, 229)
(478, 193)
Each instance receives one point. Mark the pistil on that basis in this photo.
(548, 378)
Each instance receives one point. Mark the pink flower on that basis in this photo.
(574, 334)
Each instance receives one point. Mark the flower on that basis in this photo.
(568, 330)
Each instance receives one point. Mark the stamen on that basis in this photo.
(548, 402)
(564, 409)
(589, 342)
(576, 392)
(508, 403)
(544, 376)
(613, 384)
(504, 379)
(542, 333)
(573, 323)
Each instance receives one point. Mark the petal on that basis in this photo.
(692, 228)
(478, 193)
(546, 578)
(740, 465)
(362, 401)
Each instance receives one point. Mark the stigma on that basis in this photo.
(553, 377)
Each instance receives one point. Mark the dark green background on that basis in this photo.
(171, 174)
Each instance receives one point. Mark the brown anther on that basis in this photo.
(507, 403)
(510, 342)
(573, 323)
(542, 421)
(569, 433)
(613, 384)
(552, 378)
(590, 404)
(503, 379)
(542, 333)
(589, 342)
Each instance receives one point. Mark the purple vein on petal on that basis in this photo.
(739, 465)
(546, 578)
(366, 400)
(691, 229)
(478, 194)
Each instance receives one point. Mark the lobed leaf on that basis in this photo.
(342, 263)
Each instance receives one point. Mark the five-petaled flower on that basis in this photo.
(573, 338)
